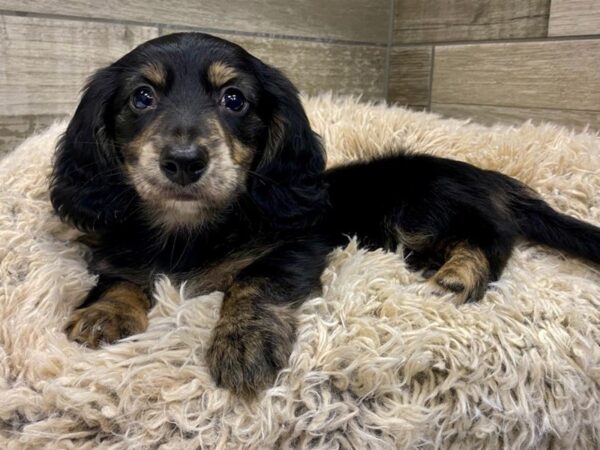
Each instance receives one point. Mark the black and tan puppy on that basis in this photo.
(190, 157)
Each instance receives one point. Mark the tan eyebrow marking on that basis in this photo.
(220, 73)
(155, 73)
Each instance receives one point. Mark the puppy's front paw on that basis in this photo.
(246, 355)
(106, 321)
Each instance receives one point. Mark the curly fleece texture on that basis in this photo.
(379, 363)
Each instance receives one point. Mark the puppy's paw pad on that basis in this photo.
(101, 323)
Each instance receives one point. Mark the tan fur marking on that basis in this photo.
(216, 125)
(466, 272)
(128, 294)
(241, 154)
(276, 135)
(252, 340)
(415, 241)
(220, 73)
(238, 300)
(120, 312)
(143, 143)
(155, 73)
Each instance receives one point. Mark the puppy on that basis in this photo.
(188, 156)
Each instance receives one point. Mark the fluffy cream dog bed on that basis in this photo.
(378, 363)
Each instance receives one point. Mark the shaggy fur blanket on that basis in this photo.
(378, 363)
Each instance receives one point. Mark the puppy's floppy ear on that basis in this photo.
(290, 188)
(87, 187)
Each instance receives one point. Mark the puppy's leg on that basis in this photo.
(465, 273)
(254, 336)
(252, 340)
(469, 269)
(114, 309)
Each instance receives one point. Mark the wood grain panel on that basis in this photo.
(458, 20)
(550, 74)
(410, 69)
(356, 20)
(45, 62)
(318, 67)
(574, 17)
(490, 115)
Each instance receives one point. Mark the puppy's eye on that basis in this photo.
(143, 98)
(233, 100)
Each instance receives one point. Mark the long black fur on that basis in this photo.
(450, 201)
(88, 187)
(291, 214)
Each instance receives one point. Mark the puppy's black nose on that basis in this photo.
(183, 164)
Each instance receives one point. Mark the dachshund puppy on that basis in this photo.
(188, 156)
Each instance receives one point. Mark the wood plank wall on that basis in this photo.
(494, 60)
(48, 48)
(499, 60)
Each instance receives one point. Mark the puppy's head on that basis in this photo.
(178, 131)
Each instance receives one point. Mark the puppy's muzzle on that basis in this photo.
(183, 164)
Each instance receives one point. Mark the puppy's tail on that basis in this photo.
(541, 224)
